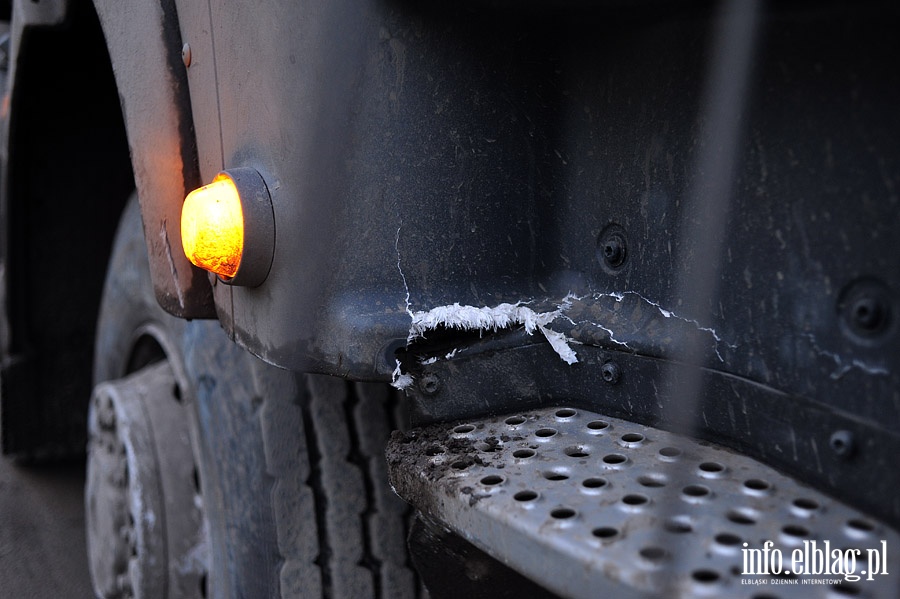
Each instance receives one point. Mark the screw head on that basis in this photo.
(429, 383)
(842, 443)
(614, 251)
(611, 372)
(867, 311)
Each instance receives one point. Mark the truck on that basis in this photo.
(387, 298)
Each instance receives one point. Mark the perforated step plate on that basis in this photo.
(591, 506)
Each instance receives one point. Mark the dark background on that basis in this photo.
(42, 543)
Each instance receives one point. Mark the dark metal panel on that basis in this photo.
(420, 157)
(484, 158)
(381, 133)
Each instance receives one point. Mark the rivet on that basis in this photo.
(186, 55)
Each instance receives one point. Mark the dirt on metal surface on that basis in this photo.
(42, 543)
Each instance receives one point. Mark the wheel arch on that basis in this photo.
(94, 109)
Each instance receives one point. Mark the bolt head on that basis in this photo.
(612, 249)
(106, 412)
(614, 252)
(611, 373)
(430, 383)
(186, 55)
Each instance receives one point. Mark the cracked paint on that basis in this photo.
(843, 367)
(164, 235)
(506, 315)
(620, 295)
(402, 276)
(464, 317)
(486, 318)
(607, 330)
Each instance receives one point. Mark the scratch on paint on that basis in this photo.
(815, 449)
(620, 295)
(164, 234)
(842, 366)
(402, 276)
(486, 318)
(611, 334)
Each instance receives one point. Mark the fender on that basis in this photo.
(145, 49)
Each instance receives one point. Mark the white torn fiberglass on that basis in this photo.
(471, 318)
(400, 380)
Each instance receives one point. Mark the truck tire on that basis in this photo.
(288, 471)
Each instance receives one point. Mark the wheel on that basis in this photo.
(143, 523)
(260, 482)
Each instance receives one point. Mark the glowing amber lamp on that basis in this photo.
(212, 227)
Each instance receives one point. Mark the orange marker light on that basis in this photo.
(212, 227)
(228, 227)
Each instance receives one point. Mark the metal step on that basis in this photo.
(591, 506)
